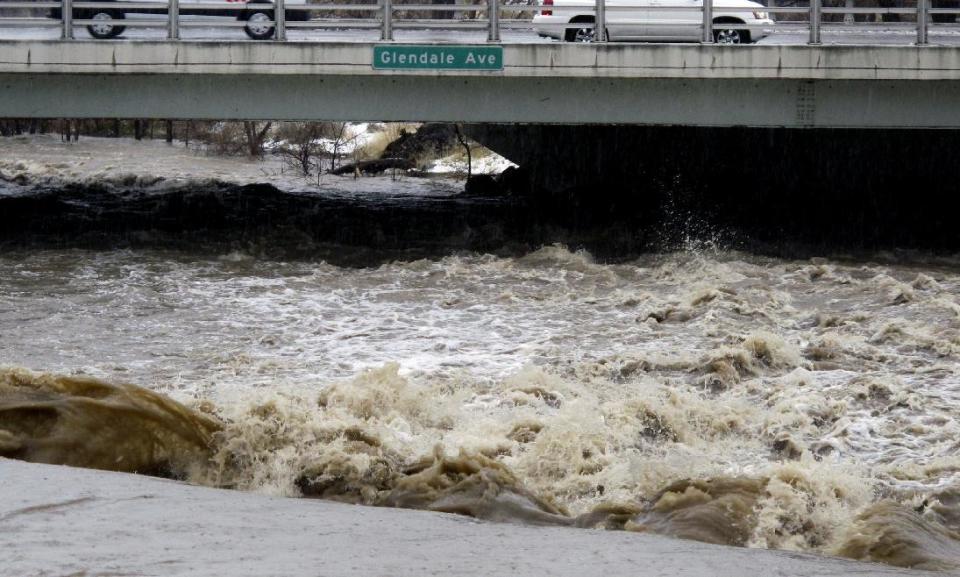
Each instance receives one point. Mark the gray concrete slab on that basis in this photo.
(521, 60)
(653, 84)
(63, 521)
(767, 85)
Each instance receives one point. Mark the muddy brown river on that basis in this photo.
(358, 341)
(704, 394)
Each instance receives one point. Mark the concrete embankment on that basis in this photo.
(60, 520)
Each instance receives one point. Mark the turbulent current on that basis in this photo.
(353, 340)
(718, 396)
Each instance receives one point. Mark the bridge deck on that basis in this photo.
(521, 60)
(796, 85)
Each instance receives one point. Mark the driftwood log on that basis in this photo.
(375, 166)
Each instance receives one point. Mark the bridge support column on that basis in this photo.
(386, 22)
(66, 19)
(173, 19)
(923, 15)
(493, 20)
(280, 20)
(600, 22)
(815, 21)
(707, 22)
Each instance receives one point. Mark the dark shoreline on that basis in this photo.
(265, 221)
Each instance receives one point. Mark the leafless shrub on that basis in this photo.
(302, 145)
(305, 145)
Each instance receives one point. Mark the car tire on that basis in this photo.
(724, 35)
(259, 23)
(105, 28)
(582, 35)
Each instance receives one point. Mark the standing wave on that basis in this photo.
(535, 448)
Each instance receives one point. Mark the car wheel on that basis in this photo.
(731, 36)
(105, 26)
(259, 25)
(580, 34)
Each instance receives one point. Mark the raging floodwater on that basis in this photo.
(702, 394)
(713, 396)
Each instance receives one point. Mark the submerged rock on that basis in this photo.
(476, 486)
(483, 185)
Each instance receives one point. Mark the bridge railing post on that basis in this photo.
(707, 37)
(173, 19)
(923, 7)
(493, 20)
(386, 20)
(279, 20)
(600, 22)
(815, 21)
(66, 19)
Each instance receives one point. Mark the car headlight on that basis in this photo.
(760, 15)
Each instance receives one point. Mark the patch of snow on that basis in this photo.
(28, 163)
(490, 163)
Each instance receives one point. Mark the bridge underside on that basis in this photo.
(846, 187)
(493, 99)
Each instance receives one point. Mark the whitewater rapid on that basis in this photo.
(385, 341)
(803, 405)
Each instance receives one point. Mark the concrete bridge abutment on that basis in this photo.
(853, 187)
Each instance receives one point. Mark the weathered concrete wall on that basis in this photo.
(694, 85)
(615, 60)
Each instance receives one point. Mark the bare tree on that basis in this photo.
(69, 130)
(466, 146)
(302, 145)
(256, 135)
(339, 129)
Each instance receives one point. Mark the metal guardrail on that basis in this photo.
(388, 16)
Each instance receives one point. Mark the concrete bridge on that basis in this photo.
(805, 86)
(787, 141)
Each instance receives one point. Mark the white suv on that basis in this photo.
(656, 20)
(258, 15)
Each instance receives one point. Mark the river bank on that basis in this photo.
(64, 521)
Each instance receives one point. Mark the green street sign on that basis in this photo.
(413, 57)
